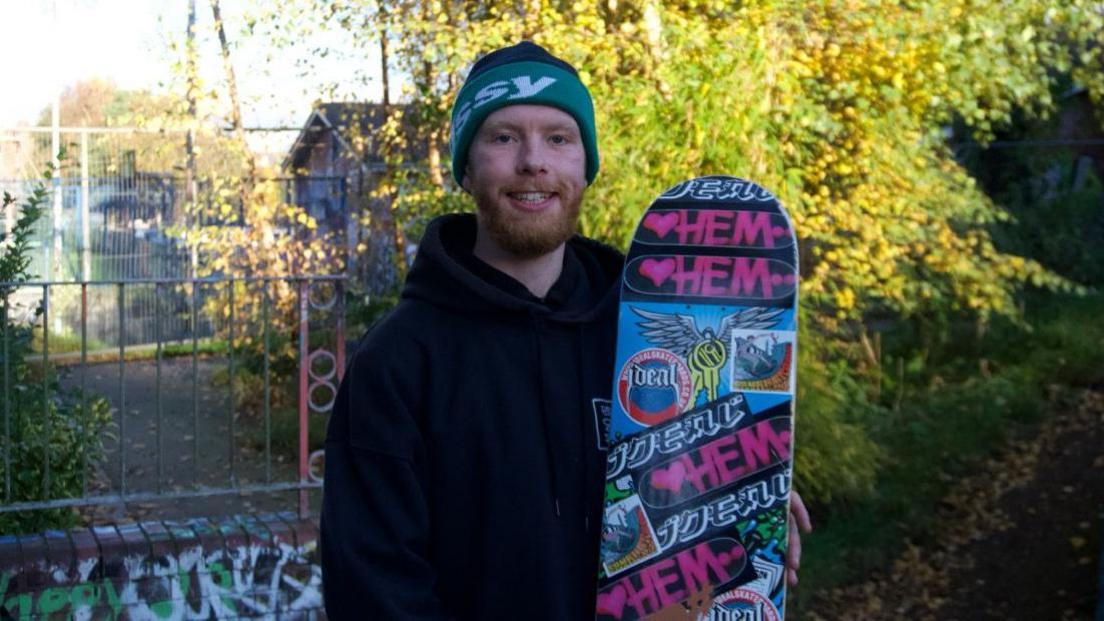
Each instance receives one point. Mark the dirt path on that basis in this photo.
(195, 445)
(1022, 538)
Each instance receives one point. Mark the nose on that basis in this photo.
(532, 157)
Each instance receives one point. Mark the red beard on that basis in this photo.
(529, 235)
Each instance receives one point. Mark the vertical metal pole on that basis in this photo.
(55, 150)
(46, 423)
(190, 179)
(122, 392)
(157, 388)
(233, 477)
(7, 406)
(84, 388)
(339, 287)
(267, 388)
(86, 234)
(195, 387)
(351, 230)
(304, 364)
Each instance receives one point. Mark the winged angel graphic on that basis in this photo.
(705, 351)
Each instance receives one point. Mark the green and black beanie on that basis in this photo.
(520, 74)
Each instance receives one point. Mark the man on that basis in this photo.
(464, 476)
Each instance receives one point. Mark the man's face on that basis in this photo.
(527, 172)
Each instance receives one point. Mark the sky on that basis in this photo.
(59, 42)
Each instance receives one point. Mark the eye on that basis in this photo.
(557, 139)
(502, 138)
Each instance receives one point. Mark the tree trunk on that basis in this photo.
(384, 72)
(235, 104)
(433, 140)
(190, 60)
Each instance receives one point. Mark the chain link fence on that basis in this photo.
(119, 212)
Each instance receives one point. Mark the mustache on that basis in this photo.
(546, 186)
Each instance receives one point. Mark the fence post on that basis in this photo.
(304, 395)
(85, 245)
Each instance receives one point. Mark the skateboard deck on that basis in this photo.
(700, 440)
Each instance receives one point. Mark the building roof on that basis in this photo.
(354, 124)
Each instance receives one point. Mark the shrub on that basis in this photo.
(835, 459)
(47, 429)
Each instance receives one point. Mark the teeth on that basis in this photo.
(531, 197)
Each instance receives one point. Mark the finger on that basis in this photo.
(791, 577)
(793, 551)
(799, 512)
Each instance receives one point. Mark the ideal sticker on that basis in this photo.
(654, 386)
(743, 605)
(627, 536)
(763, 361)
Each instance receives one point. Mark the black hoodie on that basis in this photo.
(464, 469)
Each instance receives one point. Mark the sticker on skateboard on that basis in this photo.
(700, 444)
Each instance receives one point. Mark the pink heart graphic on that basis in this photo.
(671, 478)
(612, 603)
(661, 224)
(657, 271)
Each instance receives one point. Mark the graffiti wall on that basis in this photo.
(240, 567)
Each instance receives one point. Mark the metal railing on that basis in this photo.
(259, 323)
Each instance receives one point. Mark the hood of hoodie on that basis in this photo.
(439, 278)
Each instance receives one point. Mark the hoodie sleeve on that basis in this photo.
(375, 517)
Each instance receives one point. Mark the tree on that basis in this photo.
(837, 106)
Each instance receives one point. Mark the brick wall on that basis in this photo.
(240, 567)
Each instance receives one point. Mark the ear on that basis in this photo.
(465, 181)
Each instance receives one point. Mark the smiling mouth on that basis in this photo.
(530, 197)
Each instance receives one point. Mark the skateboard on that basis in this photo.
(700, 438)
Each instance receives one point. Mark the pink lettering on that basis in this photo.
(760, 442)
(642, 596)
(672, 580)
(689, 227)
(712, 272)
(711, 276)
(719, 463)
(726, 462)
(747, 274)
(699, 563)
(662, 581)
(688, 275)
(716, 228)
(715, 223)
(752, 225)
(702, 476)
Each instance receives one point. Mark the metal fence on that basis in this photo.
(124, 235)
(189, 419)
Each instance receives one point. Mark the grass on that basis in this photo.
(65, 350)
(943, 429)
(61, 343)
